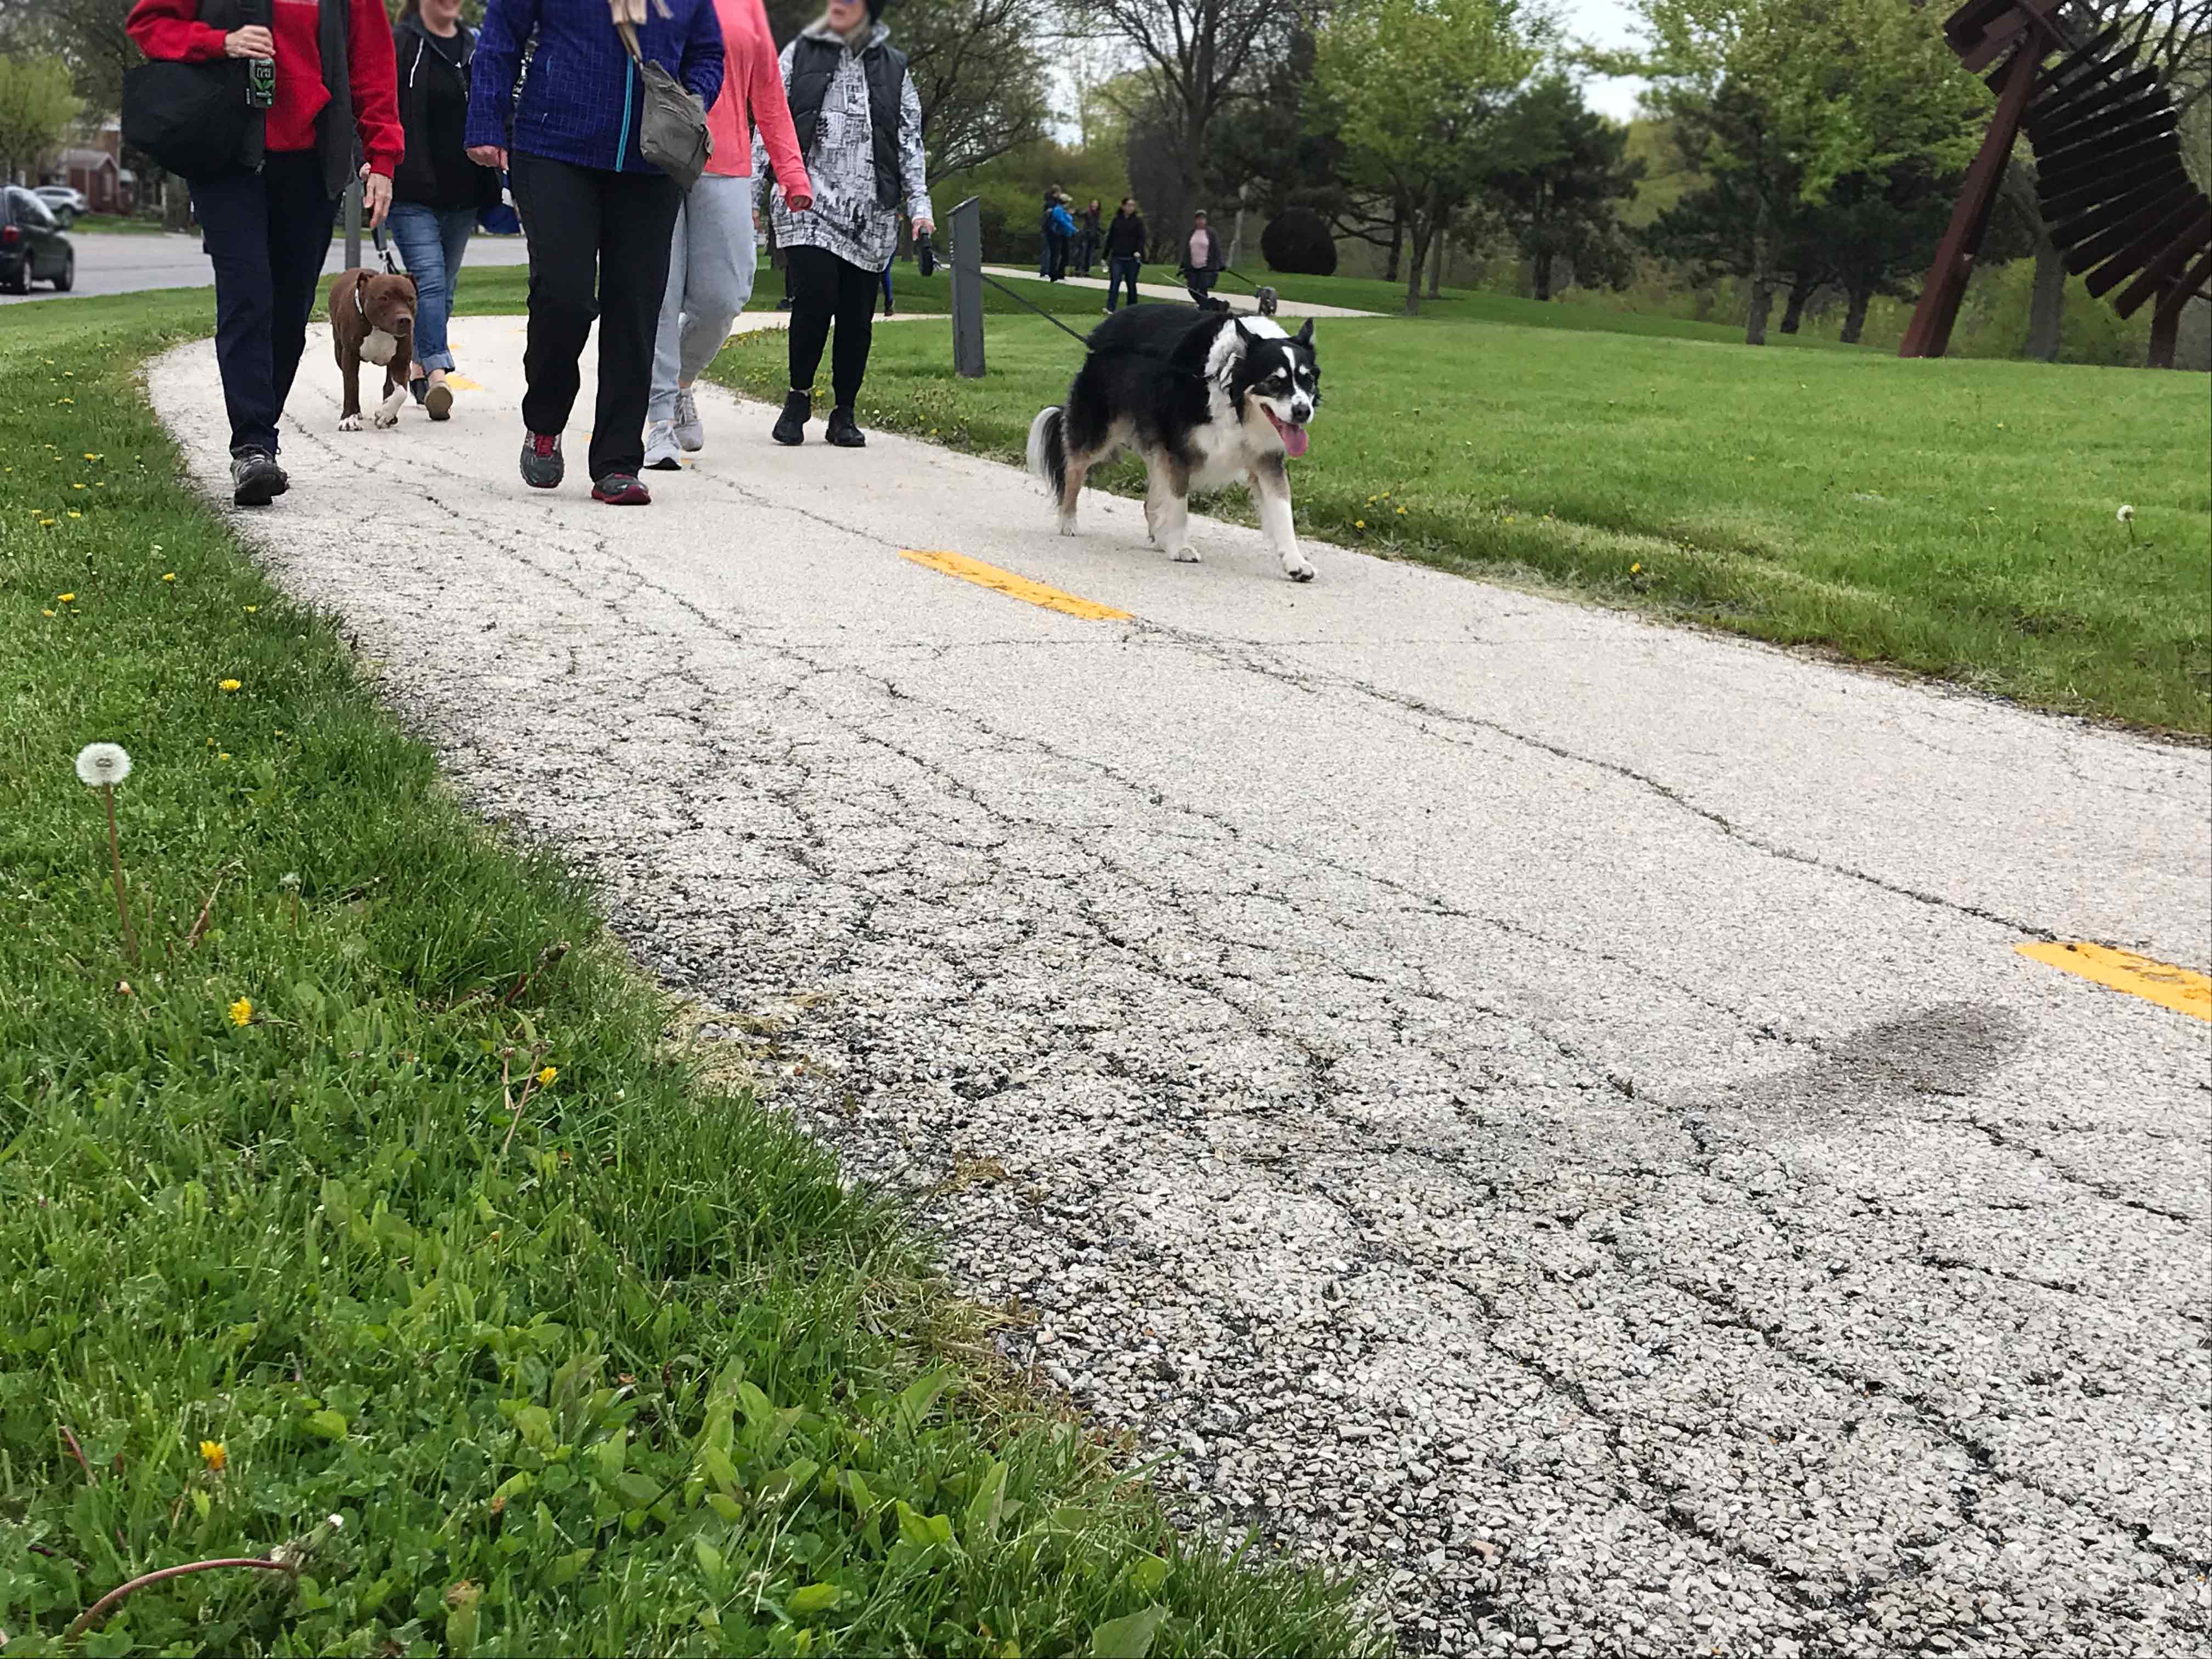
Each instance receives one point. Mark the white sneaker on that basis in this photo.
(689, 433)
(660, 452)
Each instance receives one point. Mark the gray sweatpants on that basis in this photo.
(710, 277)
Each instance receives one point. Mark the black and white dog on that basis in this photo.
(1207, 400)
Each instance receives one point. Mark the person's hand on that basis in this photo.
(375, 196)
(488, 156)
(252, 41)
(923, 228)
(798, 203)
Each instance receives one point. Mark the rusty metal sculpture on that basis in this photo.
(2109, 172)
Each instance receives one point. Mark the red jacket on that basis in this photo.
(752, 96)
(172, 29)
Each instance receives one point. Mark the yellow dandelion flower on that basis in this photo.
(1360, 524)
(241, 1011)
(251, 609)
(76, 486)
(74, 513)
(89, 456)
(1636, 569)
(168, 575)
(46, 613)
(226, 685)
(545, 1077)
(64, 597)
(223, 756)
(215, 1456)
(1401, 511)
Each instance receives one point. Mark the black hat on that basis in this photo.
(876, 9)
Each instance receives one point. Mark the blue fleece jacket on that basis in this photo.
(582, 99)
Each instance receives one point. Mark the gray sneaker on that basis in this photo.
(689, 433)
(542, 465)
(661, 454)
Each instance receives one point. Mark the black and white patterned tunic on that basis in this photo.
(846, 219)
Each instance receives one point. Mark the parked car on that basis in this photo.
(65, 204)
(32, 246)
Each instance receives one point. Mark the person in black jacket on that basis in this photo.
(1088, 230)
(1125, 251)
(439, 193)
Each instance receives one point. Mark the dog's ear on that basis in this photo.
(1245, 336)
(1304, 336)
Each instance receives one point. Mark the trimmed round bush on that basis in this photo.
(1297, 242)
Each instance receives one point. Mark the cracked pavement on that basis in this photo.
(1540, 1107)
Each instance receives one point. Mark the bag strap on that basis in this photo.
(628, 33)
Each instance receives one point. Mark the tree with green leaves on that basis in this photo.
(1560, 174)
(1789, 97)
(36, 107)
(1414, 90)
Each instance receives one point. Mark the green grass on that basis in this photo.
(1954, 517)
(114, 224)
(647, 1380)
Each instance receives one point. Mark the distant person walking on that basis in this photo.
(1202, 260)
(1063, 237)
(265, 219)
(714, 257)
(1047, 234)
(1087, 232)
(859, 121)
(1125, 251)
(438, 192)
(599, 216)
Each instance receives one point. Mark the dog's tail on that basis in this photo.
(1048, 449)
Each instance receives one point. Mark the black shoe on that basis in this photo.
(844, 431)
(784, 304)
(256, 480)
(542, 465)
(791, 425)
(418, 387)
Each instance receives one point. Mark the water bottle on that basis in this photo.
(260, 83)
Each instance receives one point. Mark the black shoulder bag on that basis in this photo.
(193, 119)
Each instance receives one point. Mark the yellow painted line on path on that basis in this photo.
(461, 383)
(2161, 983)
(1013, 586)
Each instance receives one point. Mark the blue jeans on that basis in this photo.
(431, 243)
(1122, 268)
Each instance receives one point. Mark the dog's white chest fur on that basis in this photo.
(379, 348)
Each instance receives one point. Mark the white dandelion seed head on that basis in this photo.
(2126, 515)
(289, 879)
(101, 764)
(338, 1523)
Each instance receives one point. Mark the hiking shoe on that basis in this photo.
(542, 465)
(438, 399)
(690, 434)
(256, 480)
(791, 426)
(621, 489)
(844, 431)
(661, 454)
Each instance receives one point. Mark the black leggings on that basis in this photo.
(826, 288)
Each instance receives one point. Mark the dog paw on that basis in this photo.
(1185, 554)
(1067, 525)
(385, 419)
(349, 423)
(1297, 569)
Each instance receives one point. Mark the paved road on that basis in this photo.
(110, 262)
(1547, 1108)
(1241, 298)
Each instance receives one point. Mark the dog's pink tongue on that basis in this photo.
(1294, 439)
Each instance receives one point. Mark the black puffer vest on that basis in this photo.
(814, 66)
(337, 146)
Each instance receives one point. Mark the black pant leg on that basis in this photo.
(300, 212)
(856, 327)
(637, 221)
(233, 208)
(813, 274)
(560, 209)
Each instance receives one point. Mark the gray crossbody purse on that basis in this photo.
(671, 130)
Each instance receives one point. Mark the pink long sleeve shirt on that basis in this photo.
(752, 96)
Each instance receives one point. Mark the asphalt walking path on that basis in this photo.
(1240, 298)
(1554, 1111)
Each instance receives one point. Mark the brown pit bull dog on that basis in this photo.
(373, 321)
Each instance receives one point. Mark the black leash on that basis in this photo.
(390, 266)
(1020, 300)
